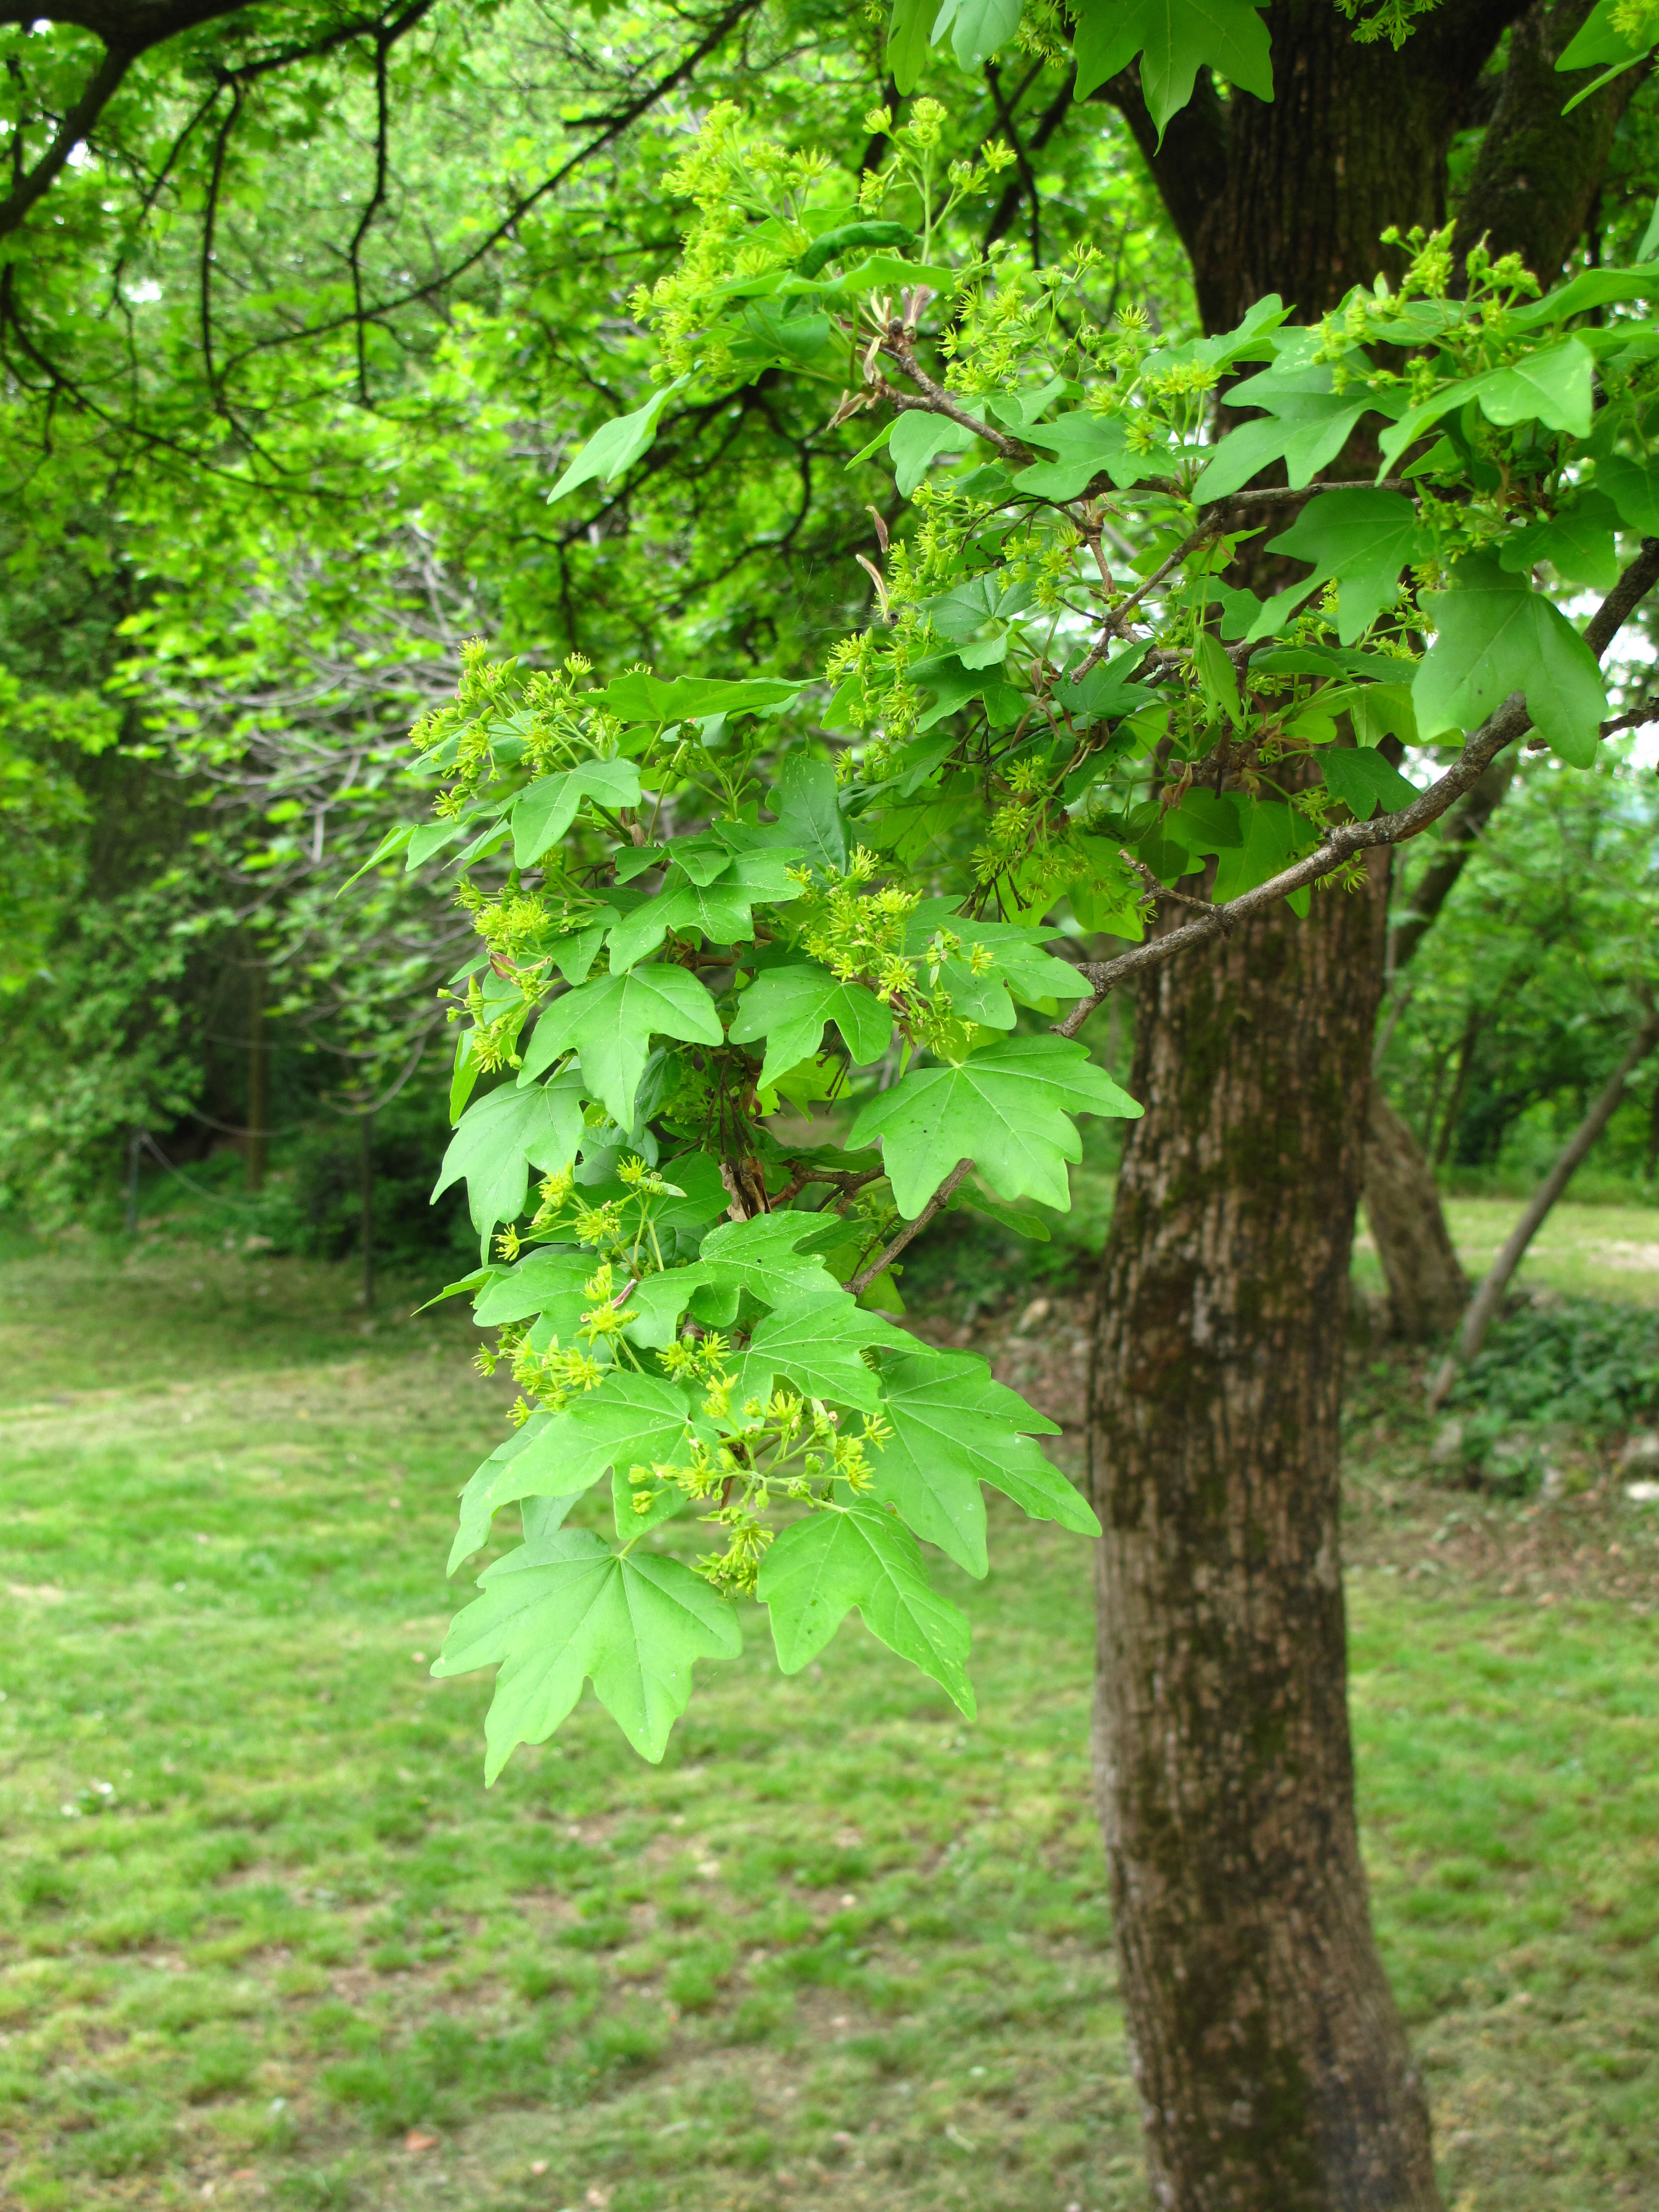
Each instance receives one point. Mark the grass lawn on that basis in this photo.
(266, 1941)
(1586, 1251)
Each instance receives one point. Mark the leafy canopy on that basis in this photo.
(809, 962)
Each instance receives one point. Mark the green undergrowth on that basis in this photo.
(1585, 1362)
(264, 1930)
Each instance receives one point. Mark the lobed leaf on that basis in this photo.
(790, 1007)
(861, 1555)
(1494, 635)
(501, 1136)
(610, 1023)
(565, 1609)
(1006, 1108)
(954, 1428)
(630, 1420)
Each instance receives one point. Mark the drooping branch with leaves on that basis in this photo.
(706, 906)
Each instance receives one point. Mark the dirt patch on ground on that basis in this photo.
(1404, 1514)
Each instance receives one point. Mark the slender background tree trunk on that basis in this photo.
(257, 1140)
(1489, 1298)
(1427, 1287)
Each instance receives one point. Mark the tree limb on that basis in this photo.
(1483, 1309)
(1339, 845)
(95, 97)
(885, 1260)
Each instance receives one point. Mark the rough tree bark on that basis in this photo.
(1272, 2064)
(1275, 2073)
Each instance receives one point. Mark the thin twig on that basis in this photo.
(946, 1190)
(1156, 889)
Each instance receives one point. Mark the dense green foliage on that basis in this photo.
(286, 587)
(1588, 1365)
(1014, 751)
(1525, 1005)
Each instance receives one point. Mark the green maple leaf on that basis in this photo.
(1020, 965)
(789, 1007)
(758, 1255)
(540, 1281)
(916, 442)
(544, 813)
(1361, 540)
(1555, 387)
(862, 1556)
(814, 1344)
(1633, 489)
(1307, 424)
(630, 1420)
(722, 910)
(954, 1428)
(1363, 781)
(501, 1136)
(1494, 635)
(762, 1255)
(809, 805)
(637, 698)
(610, 1022)
(1085, 446)
(1174, 39)
(907, 42)
(976, 27)
(1272, 836)
(566, 1609)
(1004, 1108)
(1578, 544)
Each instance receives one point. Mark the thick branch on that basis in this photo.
(96, 96)
(1337, 846)
(1539, 172)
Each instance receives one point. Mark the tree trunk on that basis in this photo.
(1272, 2064)
(1538, 174)
(366, 1204)
(1470, 1038)
(257, 1140)
(1274, 2070)
(1427, 1287)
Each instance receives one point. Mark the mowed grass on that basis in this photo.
(1584, 1251)
(266, 1936)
